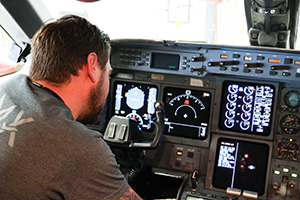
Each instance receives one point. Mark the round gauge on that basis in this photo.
(247, 99)
(233, 89)
(229, 114)
(292, 98)
(248, 90)
(232, 98)
(288, 150)
(186, 106)
(289, 124)
(136, 117)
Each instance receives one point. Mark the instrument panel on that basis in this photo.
(231, 113)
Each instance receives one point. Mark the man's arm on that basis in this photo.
(130, 195)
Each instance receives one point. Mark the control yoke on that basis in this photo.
(123, 131)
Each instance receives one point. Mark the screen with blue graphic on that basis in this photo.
(136, 101)
(247, 107)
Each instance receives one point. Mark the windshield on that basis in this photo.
(210, 21)
(221, 22)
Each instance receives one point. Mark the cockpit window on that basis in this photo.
(214, 22)
(220, 22)
(8, 60)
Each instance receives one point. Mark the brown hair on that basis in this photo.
(59, 49)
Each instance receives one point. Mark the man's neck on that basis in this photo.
(74, 94)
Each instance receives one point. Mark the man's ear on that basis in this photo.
(91, 66)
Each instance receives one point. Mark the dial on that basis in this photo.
(187, 112)
(233, 88)
(292, 99)
(136, 117)
(289, 124)
(186, 106)
(288, 150)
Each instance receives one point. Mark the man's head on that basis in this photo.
(68, 51)
(61, 48)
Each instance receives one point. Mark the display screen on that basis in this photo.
(165, 61)
(241, 165)
(194, 198)
(136, 101)
(247, 107)
(187, 112)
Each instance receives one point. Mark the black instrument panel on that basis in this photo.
(237, 94)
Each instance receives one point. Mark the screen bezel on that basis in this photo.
(112, 93)
(217, 108)
(189, 141)
(164, 57)
(200, 90)
(212, 158)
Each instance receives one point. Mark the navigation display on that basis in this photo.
(187, 112)
(247, 108)
(241, 165)
(136, 101)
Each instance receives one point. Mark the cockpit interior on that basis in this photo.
(204, 121)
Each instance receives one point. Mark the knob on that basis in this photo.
(194, 179)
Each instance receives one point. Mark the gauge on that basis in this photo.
(247, 99)
(248, 90)
(245, 125)
(136, 117)
(288, 150)
(186, 105)
(187, 112)
(232, 97)
(247, 107)
(246, 116)
(289, 124)
(230, 114)
(292, 99)
(233, 89)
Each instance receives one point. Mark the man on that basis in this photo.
(45, 153)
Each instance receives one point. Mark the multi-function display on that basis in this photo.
(136, 101)
(187, 112)
(247, 107)
(241, 165)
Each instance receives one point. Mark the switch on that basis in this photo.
(194, 179)
(283, 186)
(190, 154)
(260, 57)
(280, 67)
(253, 65)
(292, 184)
(288, 61)
(111, 130)
(179, 152)
(122, 132)
(275, 186)
(178, 163)
(236, 55)
(198, 59)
